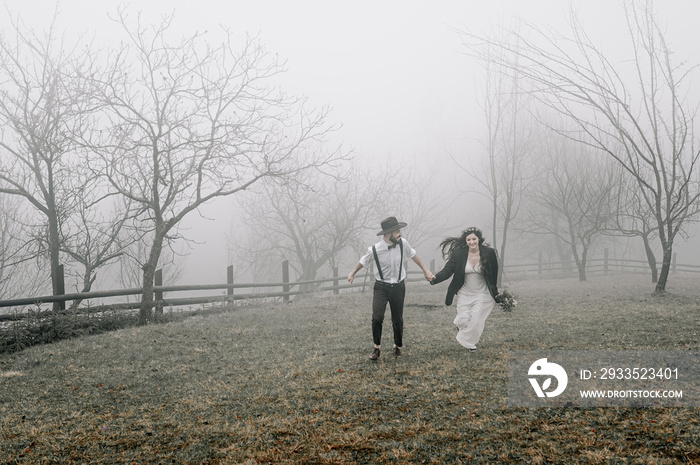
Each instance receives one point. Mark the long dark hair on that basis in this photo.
(451, 244)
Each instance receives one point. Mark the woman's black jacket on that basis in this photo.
(458, 262)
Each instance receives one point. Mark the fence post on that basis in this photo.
(539, 263)
(285, 279)
(432, 266)
(335, 280)
(229, 281)
(60, 289)
(605, 260)
(159, 294)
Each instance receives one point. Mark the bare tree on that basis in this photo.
(508, 149)
(633, 219)
(190, 122)
(41, 113)
(94, 237)
(19, 275)
(574, 193)
(644, 112)
(135, 248)
(420, 200)
(312, 221)
(318, 221)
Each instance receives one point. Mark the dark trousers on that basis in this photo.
(393, 294)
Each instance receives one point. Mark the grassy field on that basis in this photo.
(291, 383)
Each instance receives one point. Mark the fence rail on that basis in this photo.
(594, 265)
(604, 265)
(160, 300)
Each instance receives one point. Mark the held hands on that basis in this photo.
(351, 277)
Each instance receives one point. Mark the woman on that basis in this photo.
(474, 267)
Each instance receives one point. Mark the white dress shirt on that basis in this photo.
(389, 259)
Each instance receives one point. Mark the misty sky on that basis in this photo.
(391, 71)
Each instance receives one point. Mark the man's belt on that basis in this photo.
(385, 284)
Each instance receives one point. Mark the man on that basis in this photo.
(388, 256)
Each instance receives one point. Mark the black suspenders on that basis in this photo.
(379, 267)
(376, 263)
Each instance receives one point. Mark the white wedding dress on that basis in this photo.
(474, 304)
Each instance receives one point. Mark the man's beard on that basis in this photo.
(395, 240)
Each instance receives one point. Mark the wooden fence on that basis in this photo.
(289, 288)
(603, 265)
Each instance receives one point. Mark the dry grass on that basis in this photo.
(292, 384)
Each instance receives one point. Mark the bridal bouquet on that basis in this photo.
(507, 300)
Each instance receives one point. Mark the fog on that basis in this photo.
(394, 73)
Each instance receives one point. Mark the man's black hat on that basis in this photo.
(390, 224)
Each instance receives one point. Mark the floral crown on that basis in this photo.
(474, 230)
